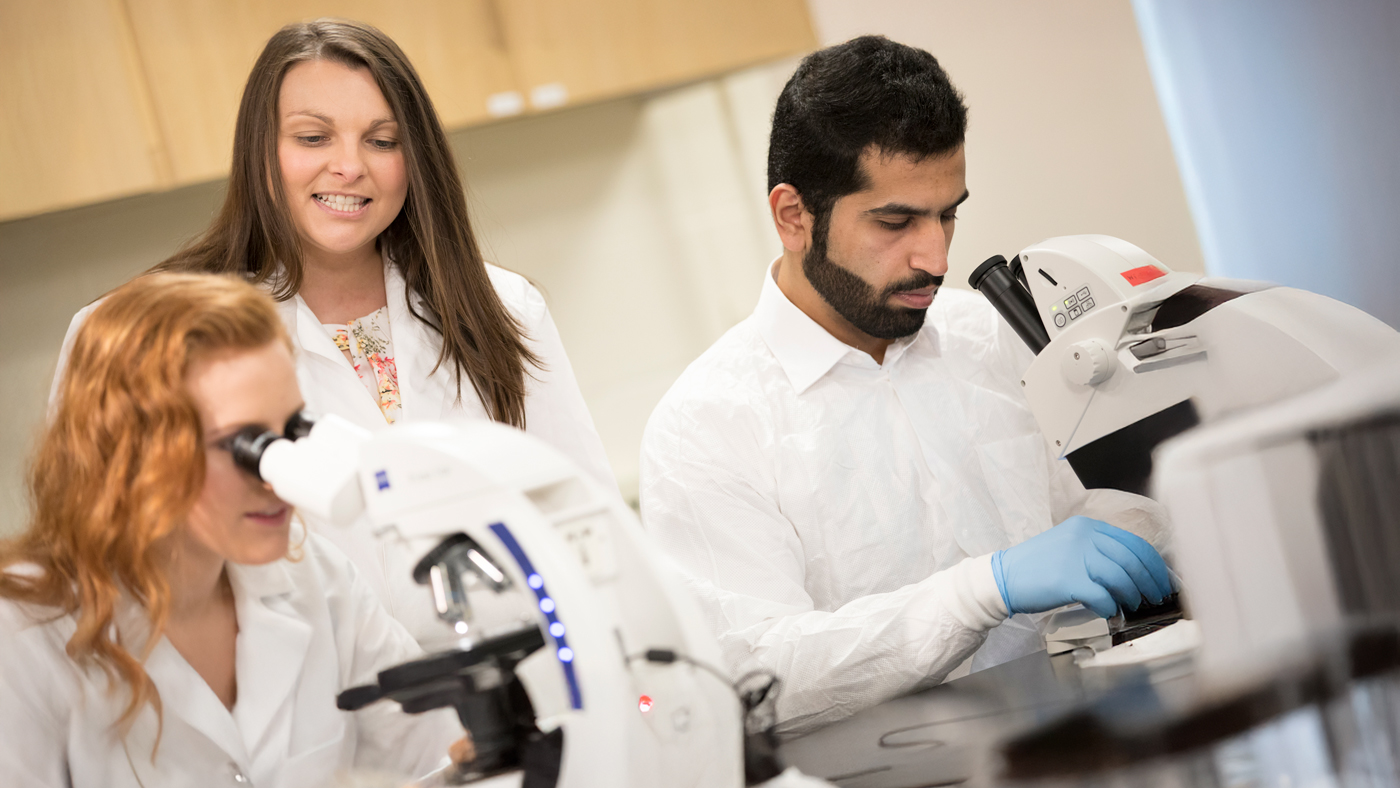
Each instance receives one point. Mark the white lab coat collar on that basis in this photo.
(318, 349)
(183, 693)
(273, 637)
(271, 648)
(306, 330)
(807, 351)
(415, 352)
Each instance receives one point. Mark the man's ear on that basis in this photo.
(790, 217)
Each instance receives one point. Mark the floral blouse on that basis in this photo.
(366, 342)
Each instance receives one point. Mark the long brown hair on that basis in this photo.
(121, 463)
(431, 239)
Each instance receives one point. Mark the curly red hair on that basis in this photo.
(121, 462)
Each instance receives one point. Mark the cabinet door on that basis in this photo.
(75, 125)
(573, 51)
(198, 54)
(455, 45)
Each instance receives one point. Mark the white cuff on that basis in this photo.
(974, 599)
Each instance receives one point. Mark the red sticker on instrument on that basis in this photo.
(1142, 275)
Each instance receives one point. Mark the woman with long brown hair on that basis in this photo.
(153, 630)
(344, 202)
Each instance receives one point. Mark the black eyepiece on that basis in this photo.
(249, 443)
(995, 280)
(248, 446)
(980, 272)
(298, 427)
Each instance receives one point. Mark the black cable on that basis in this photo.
(761, 760)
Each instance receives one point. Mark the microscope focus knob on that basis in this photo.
(1088, 363)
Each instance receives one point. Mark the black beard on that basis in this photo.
(855, 300)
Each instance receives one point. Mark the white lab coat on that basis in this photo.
(554, 410)
(307, 630)
(836, 516)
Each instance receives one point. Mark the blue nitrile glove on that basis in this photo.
(1081, 560)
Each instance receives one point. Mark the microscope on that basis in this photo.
(1131, 355)
(1267, 421)
(601, 670)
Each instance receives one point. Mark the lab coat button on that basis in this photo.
(239, 778)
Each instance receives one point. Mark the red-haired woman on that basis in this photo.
(153, 630)
(344, 202)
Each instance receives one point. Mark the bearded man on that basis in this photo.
(851, 478)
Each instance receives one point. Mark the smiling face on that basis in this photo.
(237, 518)
(880, 259)
(342, 165)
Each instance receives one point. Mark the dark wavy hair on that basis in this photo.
(431, 239)
(869, 92)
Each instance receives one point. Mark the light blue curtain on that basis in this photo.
(1285, 119)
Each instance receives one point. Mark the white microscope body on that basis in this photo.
(1130, 353)
(1119, 351)
(497, 513)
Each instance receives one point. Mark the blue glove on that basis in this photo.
(1081, 560)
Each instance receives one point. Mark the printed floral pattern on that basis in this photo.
(366, 342)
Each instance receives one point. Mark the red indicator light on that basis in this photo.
(644, 703)
(1143, 275)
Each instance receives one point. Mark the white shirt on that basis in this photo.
(837, 514)
(307, 630)
(554, 410)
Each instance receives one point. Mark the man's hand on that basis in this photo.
(1081, 560)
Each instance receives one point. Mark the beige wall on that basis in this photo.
(50, 267)
(1064, 132)
(644, 222)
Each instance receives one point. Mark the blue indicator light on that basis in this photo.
(382, 479)
(547, 606)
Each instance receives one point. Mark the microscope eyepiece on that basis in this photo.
(297, 427)
(315, 470)
(1009, 295)
(248, 446)
(980, 272)
(249, 443)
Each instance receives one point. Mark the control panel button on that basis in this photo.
(1060, 320)
(1074, 313)
(1071, 302)
(1083, 293)
(1086, 304)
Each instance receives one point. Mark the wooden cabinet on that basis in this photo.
(575, 51)
(198, 54)
(103, 98)
(75, 123)
(455, 45)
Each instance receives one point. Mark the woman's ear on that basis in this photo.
(790, 217)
